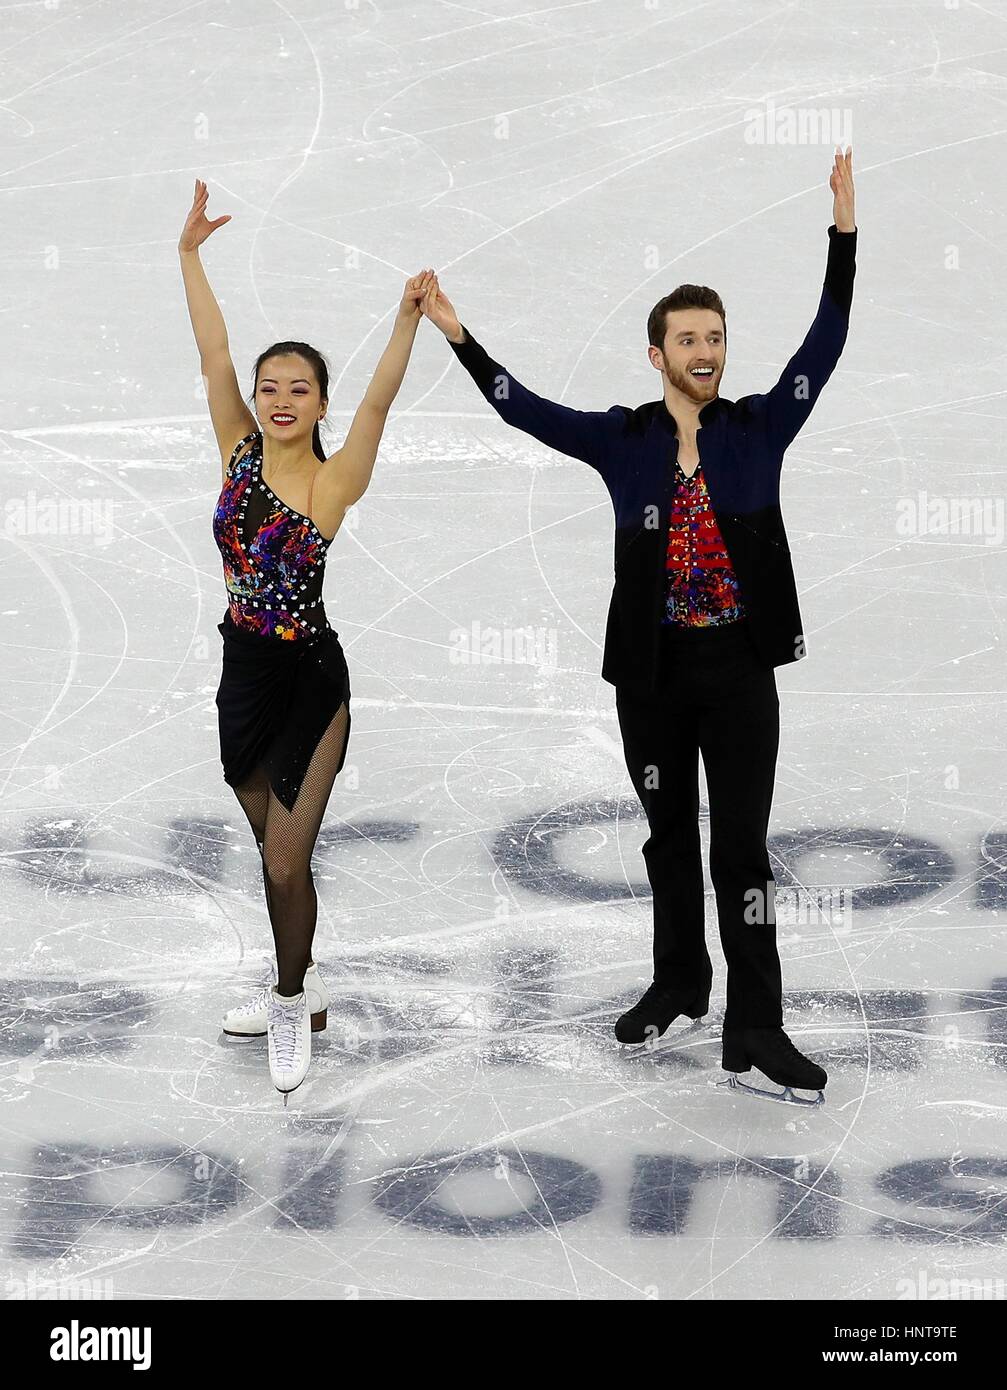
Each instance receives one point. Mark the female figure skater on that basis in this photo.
(284, 697)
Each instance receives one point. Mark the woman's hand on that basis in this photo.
(440, 311)
(841, 183)
(197, 227)
(416, 287)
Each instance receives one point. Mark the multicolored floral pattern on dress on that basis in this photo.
(274, 556)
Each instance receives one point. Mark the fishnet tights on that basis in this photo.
(286, 840)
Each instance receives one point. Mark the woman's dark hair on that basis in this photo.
(685, 297)
(320, 368)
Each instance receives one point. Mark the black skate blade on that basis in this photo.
(787, 1095)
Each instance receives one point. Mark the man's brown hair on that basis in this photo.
(685, 297)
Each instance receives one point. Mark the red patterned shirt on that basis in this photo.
(702, 587)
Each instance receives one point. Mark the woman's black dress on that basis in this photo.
(284, 674)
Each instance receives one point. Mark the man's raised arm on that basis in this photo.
(581, 434)
(787, 406)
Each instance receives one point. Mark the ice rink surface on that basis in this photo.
(469, 1128)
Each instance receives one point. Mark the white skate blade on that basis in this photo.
(787, 1094)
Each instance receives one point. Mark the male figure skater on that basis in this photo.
(704, 608)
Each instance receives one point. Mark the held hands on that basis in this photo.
(410, 310)
(440, 311)
(841, 183)
(197, 227)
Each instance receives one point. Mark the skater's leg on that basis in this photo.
(662, 757)
(288, 844)
(739, 733)
(253, 796)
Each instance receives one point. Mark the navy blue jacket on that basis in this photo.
(741, 446)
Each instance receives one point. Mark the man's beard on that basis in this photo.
(688, 385)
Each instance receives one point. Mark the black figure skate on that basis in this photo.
(775, 1055)
(657, 1010)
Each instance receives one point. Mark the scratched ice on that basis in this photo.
(468, 1126)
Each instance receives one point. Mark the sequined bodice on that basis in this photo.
(702, 586)
(274, 556)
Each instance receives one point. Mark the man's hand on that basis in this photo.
(440, 311)
(841, 183)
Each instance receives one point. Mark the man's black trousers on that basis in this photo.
(714, 698)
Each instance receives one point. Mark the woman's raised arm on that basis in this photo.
(230, 416)
(344, 478)
(207, 321)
